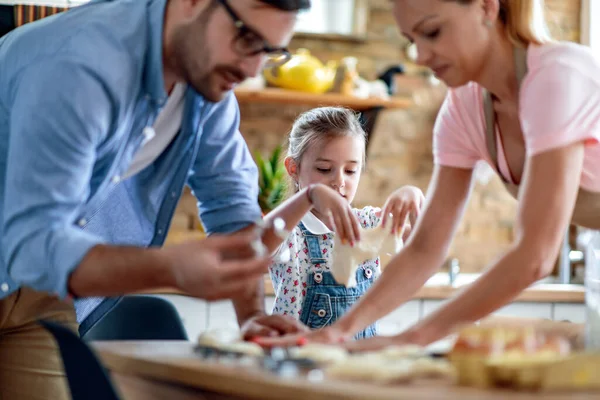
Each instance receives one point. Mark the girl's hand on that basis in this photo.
(336, 211)
(406, 201)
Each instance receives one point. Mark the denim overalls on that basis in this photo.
(326, 300)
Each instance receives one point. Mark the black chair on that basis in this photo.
(139, 318)
(7, 19)
(87, 378)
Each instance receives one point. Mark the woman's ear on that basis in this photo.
(491, 10)
(291, 167)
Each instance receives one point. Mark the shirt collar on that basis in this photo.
(154, 82)
(314, 225)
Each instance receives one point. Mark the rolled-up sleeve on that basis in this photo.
(224, 178)
(60, 113)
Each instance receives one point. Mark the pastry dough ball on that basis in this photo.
(248, 348)
(229, 340)
(396, 352)
(320, 353)
(431, 368)
(371, 370)
(216, 337)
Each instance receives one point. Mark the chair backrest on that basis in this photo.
(87, 378)
(139, 317)
(7, 19)
(13, 16)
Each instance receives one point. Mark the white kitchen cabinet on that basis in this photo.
(192, 311)
(427, 306)
(401, 318)
(269, 301)
(199, 315)
(519, 309)
(526, 310)
(572, 312)
(221, 315)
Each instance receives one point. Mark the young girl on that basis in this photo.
(325, 159)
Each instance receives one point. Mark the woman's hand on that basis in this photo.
(327, 335)
(375, 343)
(406, 201)
(336, 211)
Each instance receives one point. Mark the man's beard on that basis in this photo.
(191, 56)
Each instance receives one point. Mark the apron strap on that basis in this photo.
(520, 58)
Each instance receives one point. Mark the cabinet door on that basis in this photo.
(527, 310)
(269, 301)
(192, 311)
(572, 312)
(221, 315)
(398, 320)
(519, 309)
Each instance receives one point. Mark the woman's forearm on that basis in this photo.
(424, 253)
(400, 280)
(498, 286)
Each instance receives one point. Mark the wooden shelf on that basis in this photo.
(283, 96)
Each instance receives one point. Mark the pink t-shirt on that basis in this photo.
(559, 104)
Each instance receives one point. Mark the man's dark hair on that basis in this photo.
(289, 5)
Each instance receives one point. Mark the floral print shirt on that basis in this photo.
(290, 278)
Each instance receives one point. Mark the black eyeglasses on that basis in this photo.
(249, 43)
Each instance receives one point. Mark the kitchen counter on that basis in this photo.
(438, 288)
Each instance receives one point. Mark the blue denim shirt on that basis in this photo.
(76, 91)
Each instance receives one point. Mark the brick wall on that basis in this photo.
(400, 150)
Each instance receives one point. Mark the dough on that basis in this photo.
(432, 368)
(229, 340)
(218, 337)
(375, 368)
(373, 242)
(393, 364)
(371, 369)
(248, 348)
(320, 353)
(400, 352)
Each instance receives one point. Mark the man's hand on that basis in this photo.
(206, 269)
(271, 325)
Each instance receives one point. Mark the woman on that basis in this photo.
(543, 99)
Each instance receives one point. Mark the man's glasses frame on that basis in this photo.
(247, 42)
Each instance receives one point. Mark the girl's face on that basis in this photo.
(335, 162)
(452, 39)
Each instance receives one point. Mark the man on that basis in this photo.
(106, 112)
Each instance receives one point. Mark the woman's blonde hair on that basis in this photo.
(523, 20)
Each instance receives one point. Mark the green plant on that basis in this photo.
(271, 181)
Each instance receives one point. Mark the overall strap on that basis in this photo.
(311, 240)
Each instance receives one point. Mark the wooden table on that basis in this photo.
(171, 370)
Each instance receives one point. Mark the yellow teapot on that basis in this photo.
(303, 72)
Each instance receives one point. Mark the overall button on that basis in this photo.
(318, 277)
(368, 273)
(321, 313)
(115, 179)
(148, 133)
(4, 287)
(82, 222)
